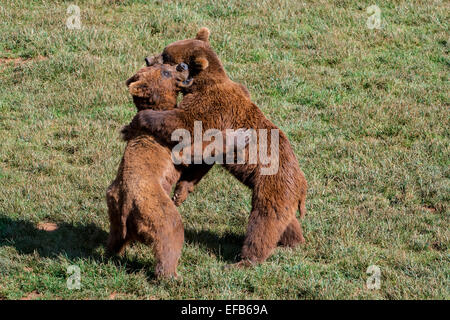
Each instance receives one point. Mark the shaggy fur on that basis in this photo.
(139, 204)
(220, 104)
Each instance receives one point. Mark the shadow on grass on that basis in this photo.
(82, 241)
(227, 246)
(71, 241)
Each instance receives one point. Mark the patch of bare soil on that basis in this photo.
(430, 209)
(47, 226)
(33, 295)
(18, 61)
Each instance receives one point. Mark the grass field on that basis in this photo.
(366, 110)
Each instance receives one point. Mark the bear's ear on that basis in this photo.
(201, 63)
(138, 89)
(199, 60)
(156, 59)
(203, 34)
(142, 90)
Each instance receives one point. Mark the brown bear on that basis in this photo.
(139, 204)
(220, 103)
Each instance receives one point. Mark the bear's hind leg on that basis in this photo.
(293, 235)
(162, 229)
(116, 240)
(116, 245)
(169, 243)
(263, 233)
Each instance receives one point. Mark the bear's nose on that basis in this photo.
(182, 67)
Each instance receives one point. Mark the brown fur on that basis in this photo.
(221, 103)
(139, 204)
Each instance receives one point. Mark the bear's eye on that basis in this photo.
(166, 73)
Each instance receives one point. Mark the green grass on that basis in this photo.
(367, 112)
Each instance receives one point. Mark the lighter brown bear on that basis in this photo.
(139, 203)
(220, 103)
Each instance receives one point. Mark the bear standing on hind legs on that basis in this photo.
(220, 103)
(139, 204)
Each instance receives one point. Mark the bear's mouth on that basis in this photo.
(186, 82)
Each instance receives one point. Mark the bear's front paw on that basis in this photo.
(178, 198)
(181, 192)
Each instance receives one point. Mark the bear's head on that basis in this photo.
(157, 86)
(204, 65)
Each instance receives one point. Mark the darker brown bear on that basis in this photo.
(220, 103)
